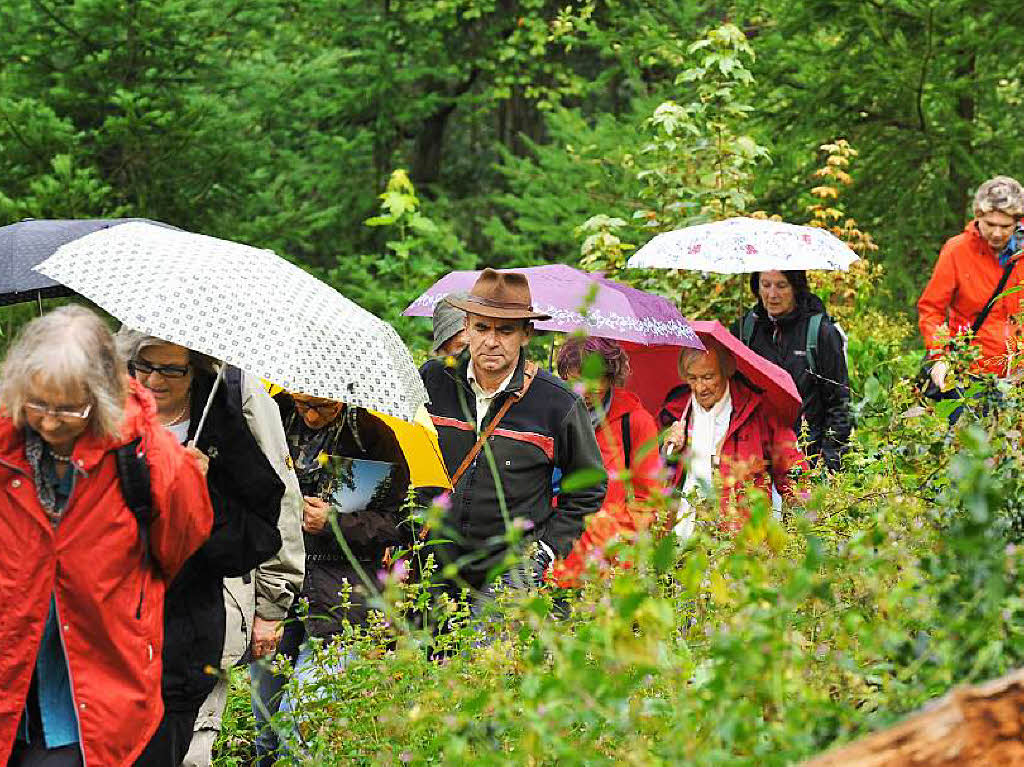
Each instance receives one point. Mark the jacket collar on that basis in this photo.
(89, 449)
(623, 401)
(744, 402)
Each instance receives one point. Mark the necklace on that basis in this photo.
(178, 417)
(60, 458)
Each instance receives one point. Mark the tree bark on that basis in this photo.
(979, 726)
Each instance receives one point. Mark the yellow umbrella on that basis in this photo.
(418, 441)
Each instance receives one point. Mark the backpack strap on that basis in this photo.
(133, 472)
(811, 344)
(747, 330)
(627, 441)
(627, 453)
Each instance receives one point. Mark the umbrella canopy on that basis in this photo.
(25, 244)
(739, 245)
(418, 441)
(245, 306)
(655, 372)
(613, 310)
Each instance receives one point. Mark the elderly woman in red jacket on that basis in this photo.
(82, 620)
(727, 435)
(628, 438)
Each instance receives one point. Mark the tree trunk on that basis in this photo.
(979, 726)
(960, 179)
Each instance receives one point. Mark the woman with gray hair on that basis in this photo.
(82, 618)
(243, 447)
(727, 435)
(971, 287)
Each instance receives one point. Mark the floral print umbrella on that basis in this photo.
(245, 306)
(578, 301)
(740, 245)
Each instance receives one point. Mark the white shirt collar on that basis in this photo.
(471, 375)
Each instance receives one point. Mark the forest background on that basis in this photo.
(279, 123)
(382, 143)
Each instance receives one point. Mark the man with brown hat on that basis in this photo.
(504, 426)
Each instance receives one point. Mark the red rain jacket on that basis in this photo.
(109, 608)
(757, 447)
(965, 277)
(619, 516)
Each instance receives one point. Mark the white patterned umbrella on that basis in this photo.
(245, 306)
(739, 245)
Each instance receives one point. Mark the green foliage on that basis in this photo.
(894, 581)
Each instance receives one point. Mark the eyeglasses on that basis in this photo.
(62, 413)
(141, 367)
(324, 408)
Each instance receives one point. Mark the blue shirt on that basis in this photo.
(53, 683)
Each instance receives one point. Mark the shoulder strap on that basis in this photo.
(529, 373)
(983, 314)
(133, 471)
(627, 441)
(747, 332)
(811, 344)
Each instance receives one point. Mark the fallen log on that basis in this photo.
(981, 726)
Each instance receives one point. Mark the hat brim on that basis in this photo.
(469, 306)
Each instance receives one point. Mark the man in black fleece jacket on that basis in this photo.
(545, 428)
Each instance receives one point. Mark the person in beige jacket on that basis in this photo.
(256, 604)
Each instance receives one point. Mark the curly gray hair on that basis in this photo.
(70, 348)
(1001, 193)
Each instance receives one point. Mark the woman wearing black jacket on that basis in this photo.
(781, 328)
(316, 428)
(246, 493)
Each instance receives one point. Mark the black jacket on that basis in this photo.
(549, 428)
(368, 533)
(246, 493)
(826, 393)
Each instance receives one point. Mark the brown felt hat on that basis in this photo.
(499, 295)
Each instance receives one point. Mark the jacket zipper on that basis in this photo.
(60, 625)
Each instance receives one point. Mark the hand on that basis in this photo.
(675, 437)
(265, 637)
(938, 373)
(314, 514)
(202, 460)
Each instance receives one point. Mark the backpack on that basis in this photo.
(810, 343)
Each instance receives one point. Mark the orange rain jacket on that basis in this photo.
(110, 608)
(965, 277)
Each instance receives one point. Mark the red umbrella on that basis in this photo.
(655, 371)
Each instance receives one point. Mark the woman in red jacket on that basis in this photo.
(628, 438)
(966, 277)
(81, 624)
(727, 435)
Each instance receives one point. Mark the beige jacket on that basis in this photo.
(269, 590)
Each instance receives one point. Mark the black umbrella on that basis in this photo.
(27, 243)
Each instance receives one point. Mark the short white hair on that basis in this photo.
(70, 348)
(1001, 193)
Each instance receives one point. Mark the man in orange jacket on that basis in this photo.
(966, 276)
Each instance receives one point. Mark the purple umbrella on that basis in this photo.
(580, 301)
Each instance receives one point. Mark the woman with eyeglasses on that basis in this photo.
(209, 616)
(334, 588)
(82, 619)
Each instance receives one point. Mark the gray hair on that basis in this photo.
(1001, 193)
(130, 342)
(725, 358)
(69, 348)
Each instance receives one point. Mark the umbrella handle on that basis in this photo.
(206, 409)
